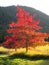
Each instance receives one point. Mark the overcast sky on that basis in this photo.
(42, 5)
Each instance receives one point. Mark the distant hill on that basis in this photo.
(8, 14)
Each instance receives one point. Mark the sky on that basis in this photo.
(42, 5)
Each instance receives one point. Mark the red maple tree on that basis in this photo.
(23, 31)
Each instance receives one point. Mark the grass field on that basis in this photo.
(37, 50)
(21, 61)
(37, 56)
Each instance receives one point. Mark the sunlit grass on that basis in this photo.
(27, 62)
(32, 51)
(44, 50)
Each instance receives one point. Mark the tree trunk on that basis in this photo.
(26, 47)
(15, 49)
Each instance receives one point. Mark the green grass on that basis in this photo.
(23, 59)
(19, 61)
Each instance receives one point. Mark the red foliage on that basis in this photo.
(23, 30)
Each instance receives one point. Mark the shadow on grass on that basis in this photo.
(27, 57)
(2, 53)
